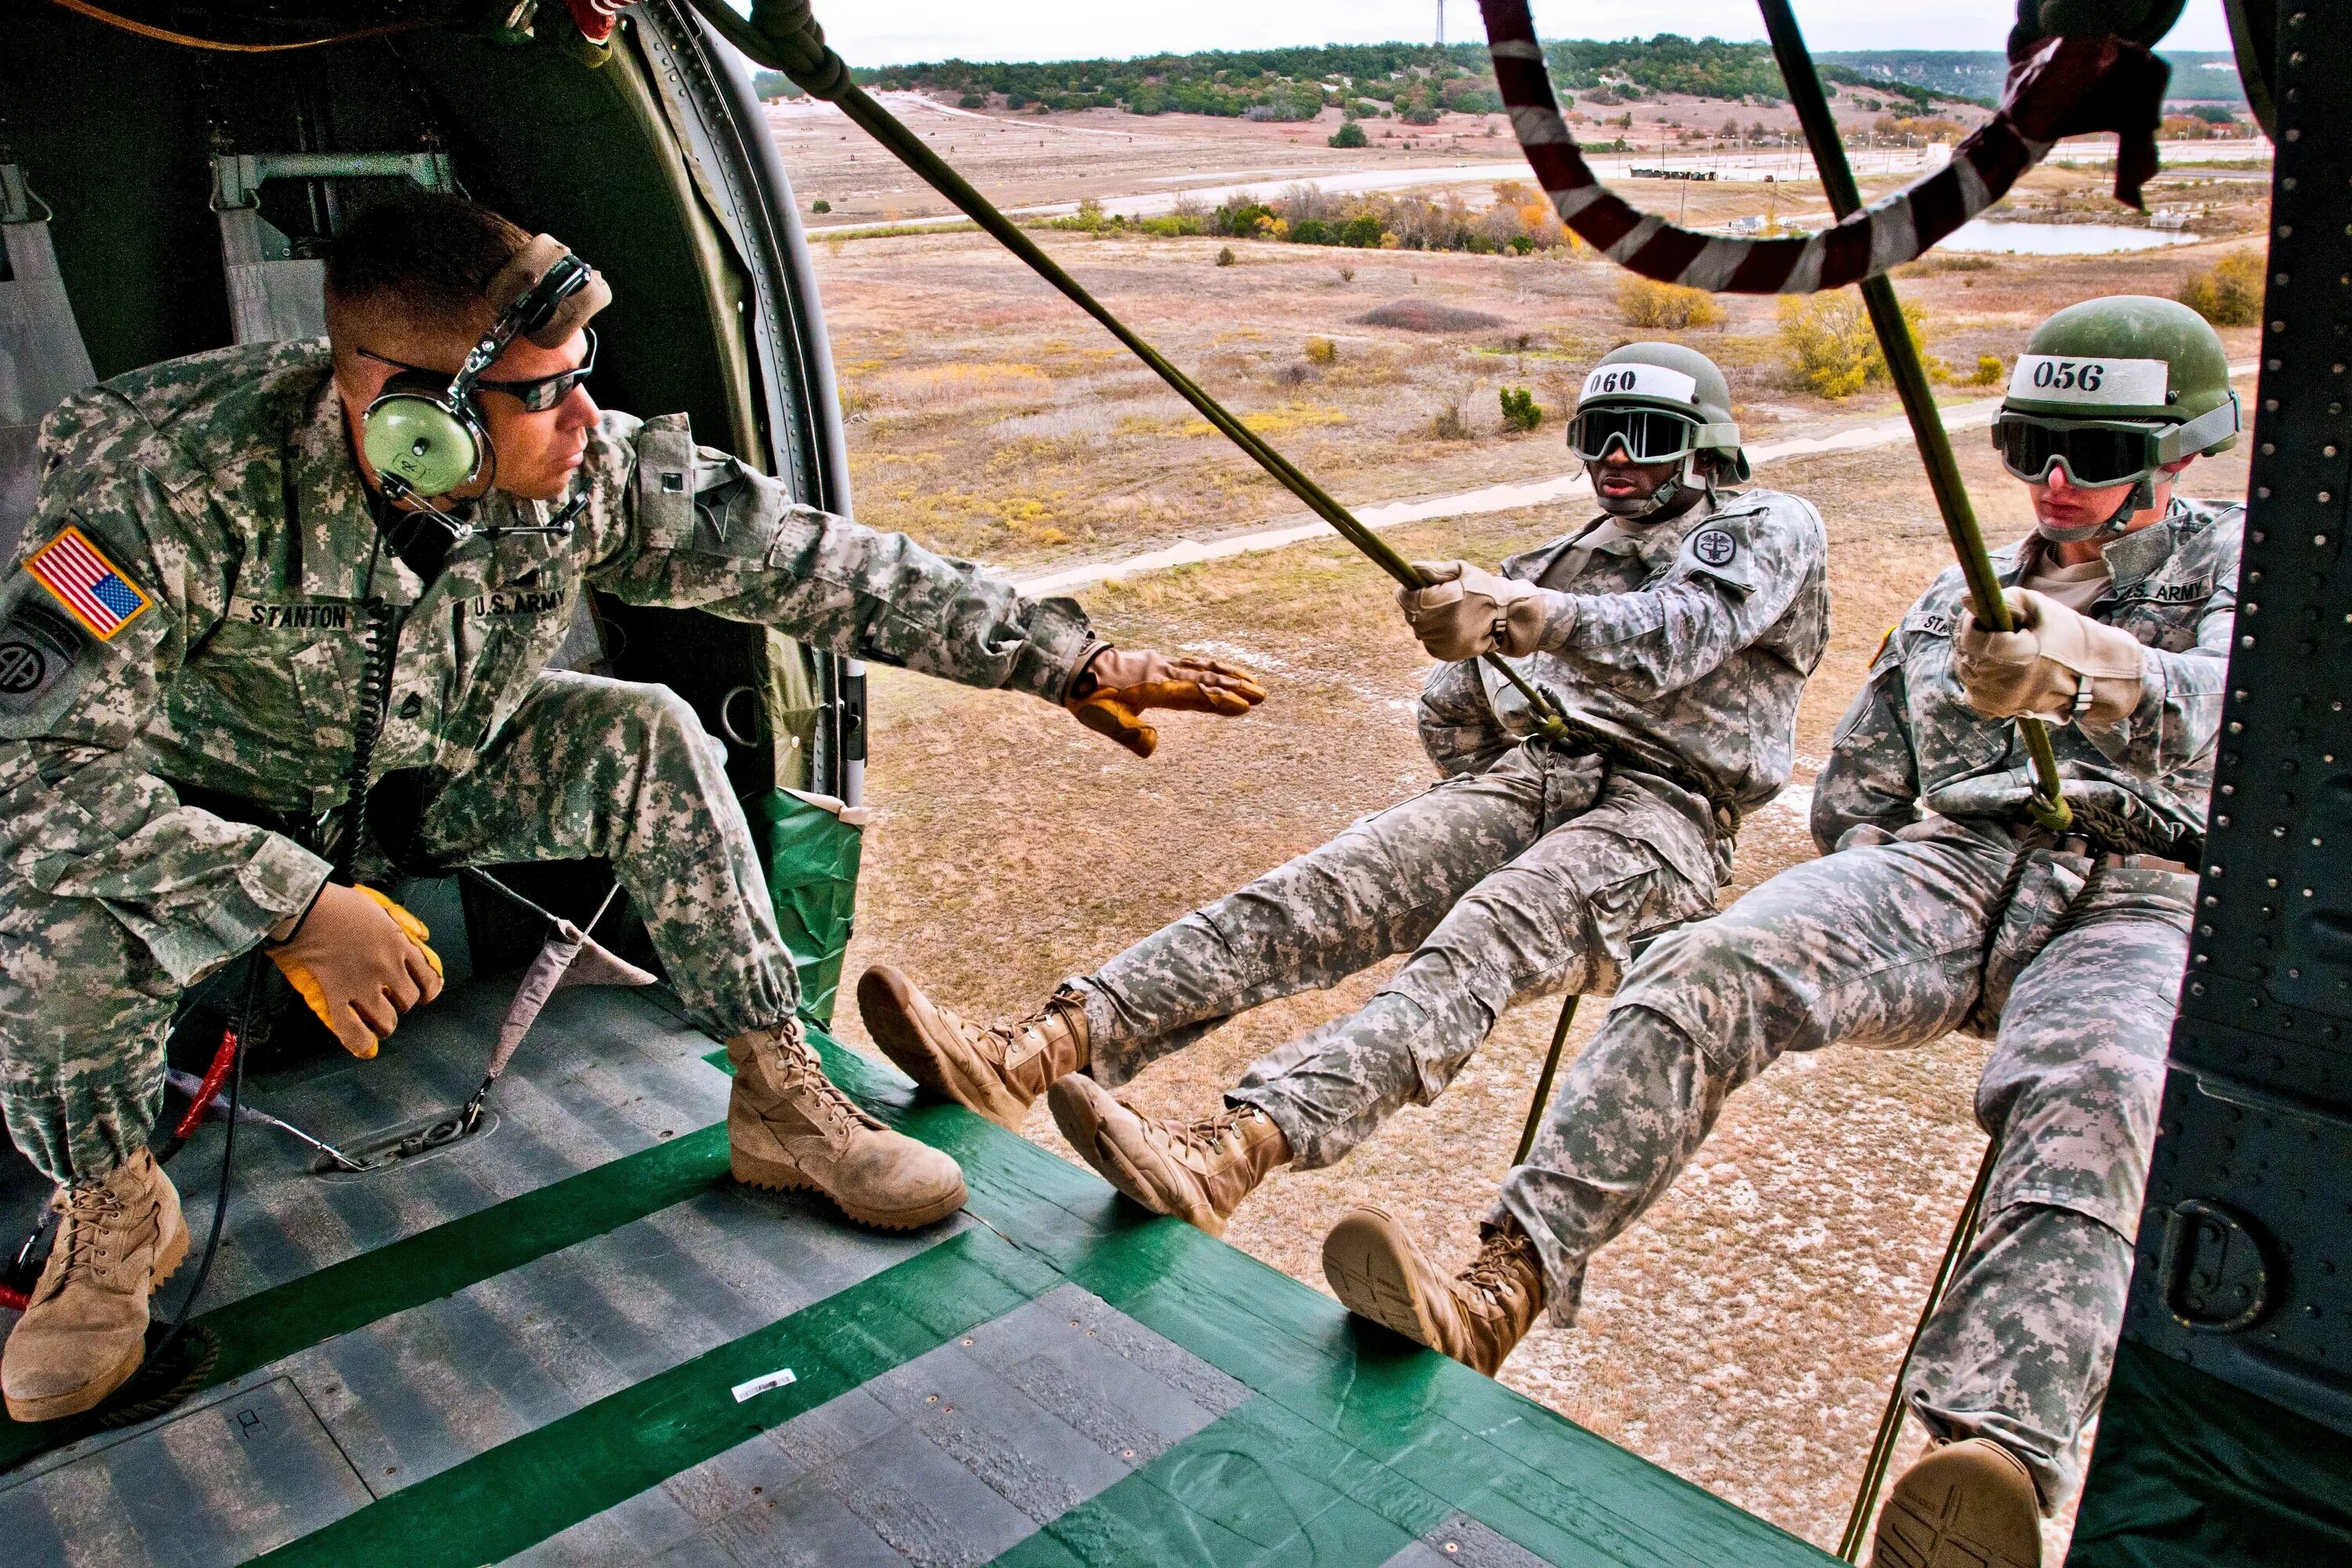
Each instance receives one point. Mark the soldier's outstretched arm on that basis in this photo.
(1735, 578)
(109, 588)
(701, 529)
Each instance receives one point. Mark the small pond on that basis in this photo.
(1992, 236)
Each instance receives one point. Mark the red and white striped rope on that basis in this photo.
(2068, 87)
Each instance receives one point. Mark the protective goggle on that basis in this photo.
(2096, 453)
(1646, 435)
(536, 396)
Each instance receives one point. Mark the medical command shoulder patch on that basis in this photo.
(91, 587)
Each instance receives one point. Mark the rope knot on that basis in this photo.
(801, 49)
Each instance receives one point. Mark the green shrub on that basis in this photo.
(1519, 410)
(1670, 306)
(820, 205)
(1225, 256)
(1830, 347)
(2230, 292)
(1350, 134)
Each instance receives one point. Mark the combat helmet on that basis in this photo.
(2111, 391)
(1660, 403)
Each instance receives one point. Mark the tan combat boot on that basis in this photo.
(86, 1328)
(997, 1070)
(1198, 1171)
(788, 1127)
(1477, 1317)
(1970, 1504)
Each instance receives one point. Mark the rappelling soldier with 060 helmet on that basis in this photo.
(1674, 631)
(1940, 904)
(199, 620)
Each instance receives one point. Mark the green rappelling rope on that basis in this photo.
(2048, 803)
(785, 36)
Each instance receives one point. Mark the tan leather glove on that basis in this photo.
(1467, 612)
(2058, 665)
(360, 961)
(1111, 693)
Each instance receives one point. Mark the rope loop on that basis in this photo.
(802, 53)
(2053, 814)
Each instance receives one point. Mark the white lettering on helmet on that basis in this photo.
(2113, 382)
(1639, 380)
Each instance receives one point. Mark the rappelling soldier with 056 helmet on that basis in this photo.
(1940, 903)
(1674, 631)
(228, 613)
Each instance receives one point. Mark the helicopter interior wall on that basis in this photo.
(116, 133)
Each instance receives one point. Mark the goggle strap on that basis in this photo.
(2196, 434)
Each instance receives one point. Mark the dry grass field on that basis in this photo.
(1745, 1333)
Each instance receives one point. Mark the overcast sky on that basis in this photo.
(897, 31)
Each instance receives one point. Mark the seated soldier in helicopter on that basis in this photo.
(258, 578)
(1943, 903)
(1674, 631)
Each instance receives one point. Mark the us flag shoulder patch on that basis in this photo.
(86, 583)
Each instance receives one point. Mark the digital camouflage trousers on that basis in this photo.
(587, 767)
(2074, 975)
(1534, 875)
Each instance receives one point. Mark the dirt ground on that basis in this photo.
(985, 411)
(1745, 1333)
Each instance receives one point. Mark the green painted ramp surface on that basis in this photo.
(517, 1351)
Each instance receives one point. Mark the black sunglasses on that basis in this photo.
(537, 396)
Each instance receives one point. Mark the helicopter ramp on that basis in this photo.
(573, 1339)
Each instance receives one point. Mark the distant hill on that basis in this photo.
(1416, 82)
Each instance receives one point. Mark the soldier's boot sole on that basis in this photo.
(783, 1176)
(1968, 1505)
(892, 1010)
(1368, 1262)
(1085, 1112)
(170, 1253)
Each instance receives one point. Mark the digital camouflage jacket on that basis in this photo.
(188, 607)
(1687, 643)
(1910, 743)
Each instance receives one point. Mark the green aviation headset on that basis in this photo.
(425, 436)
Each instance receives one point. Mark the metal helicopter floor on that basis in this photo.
(533, 1345)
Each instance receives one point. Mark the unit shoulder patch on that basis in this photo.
(1714, 546)
(92, 589)
(42, 662)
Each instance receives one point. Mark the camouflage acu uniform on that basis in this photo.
(223, 488)
(1937, 912)
(1533, 866)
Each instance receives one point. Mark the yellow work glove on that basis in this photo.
(1111, 694)
(2058, 665)
(360, 961)
(1467, 612)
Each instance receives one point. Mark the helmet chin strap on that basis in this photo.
(2142, 497)
(1670, 495)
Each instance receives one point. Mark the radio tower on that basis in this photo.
(1441, 24)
